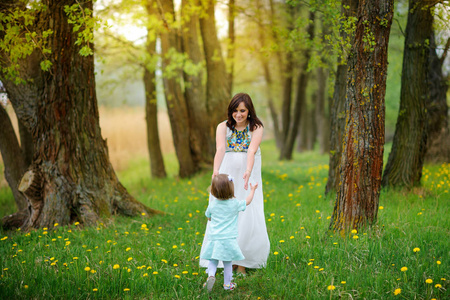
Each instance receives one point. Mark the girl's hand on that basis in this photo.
(253, 187)
(215, 173)
(246, 177)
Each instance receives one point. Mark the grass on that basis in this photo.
(147, 258)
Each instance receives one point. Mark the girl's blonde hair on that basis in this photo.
(222, 187)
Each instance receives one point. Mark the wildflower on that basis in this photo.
(94, 290)
(143, 213)
(155, 273)
(93, 271)
(321, 269)
(438, 286)
(310, 263)
(291, 237)
(87, 269)
(317, 211)
(381, 207)
(354, 231)
(281, 241)
(438, 262)
(316, 267)
(126, 290)
(404, 269)
(116, 266)
(77, 223)
(174, 246)
(331, 287)
(185, 272)
(4, 238)
(429, 280)
(177, 276)
(144, 226)
(355, 237)
(397, 291)
(308, 237)
(275, 253)
(195, 273)
(164, 261)
(128, 249)
(343, 282)
(55, 225)
(130, 258)
(416, 249)
(25, 286)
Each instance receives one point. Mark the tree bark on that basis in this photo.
(13, 159)
(337, 109)
(357, 200)
(321, 119)
(300, 100)
(201, 141)
(71, 177)
(174, 94)
(438, 141)
(218, 90)
(405, 163)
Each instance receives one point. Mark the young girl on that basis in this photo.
(222, 212)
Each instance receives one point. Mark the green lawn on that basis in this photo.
(147, 258)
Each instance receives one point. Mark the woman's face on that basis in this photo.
(240, 114)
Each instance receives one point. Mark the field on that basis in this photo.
(406, 255)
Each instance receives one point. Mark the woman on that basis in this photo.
(238, 154)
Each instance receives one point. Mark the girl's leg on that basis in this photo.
(212, 267)
(227, 272)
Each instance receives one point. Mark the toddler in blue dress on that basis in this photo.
(222, 212)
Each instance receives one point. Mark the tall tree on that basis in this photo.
(438, 141)
(349, 9)
(71, 177)
(405, 163)
(362, 157)
(173, 90)
(218, 87)
(300, 99)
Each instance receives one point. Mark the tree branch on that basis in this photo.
(444, 55)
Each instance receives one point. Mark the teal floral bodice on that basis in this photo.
(238, 141)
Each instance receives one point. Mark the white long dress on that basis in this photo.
(252, 232)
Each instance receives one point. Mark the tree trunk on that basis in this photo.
(288, 146)
(176, 102)
(362, 156)
(201, 141)
(405, 163)
(217, 85)
(321, 120)
(71, 177)
(337, 109)
(26, 143)
(157, 167)
(13, 159)
(438, 141)
(268, 78)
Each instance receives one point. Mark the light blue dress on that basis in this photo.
(223, 230)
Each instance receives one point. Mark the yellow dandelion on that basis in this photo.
(55, 225)
(184, 272)
(130, 258)
(174, 246)
(144, 226)
(321, 269)
(397, 291)
(331, 287)
(381, 207)
(438, 286)
(275, 253)
(281, 241)
(77, 223)
(343, 282)
(87, 269)
(128, 249)
(416, 249)
(316, 267)
(317, 211)
(310, 263)
(4, 238)
(95, 290)
(25, 286)
(429, 280)
(438, 262)
(143, 213)
(164, 261)
(93, 271)
(155, 273)
(116, 266)
(195, 273)
(354, 231)
(126, 290)
(308, 237)
(404, 269)
(355, 237)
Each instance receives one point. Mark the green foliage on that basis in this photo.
(20, 40)
(158, 257)
(84, 23)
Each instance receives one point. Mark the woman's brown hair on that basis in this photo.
(252, 118)
(222, 187)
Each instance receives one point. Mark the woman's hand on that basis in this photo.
(246, 177)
